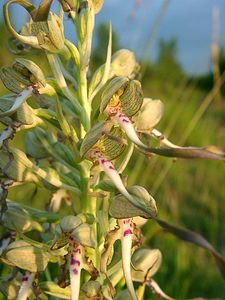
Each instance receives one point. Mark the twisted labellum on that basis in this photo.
(126, 226)
(127, 126)
(112, 173)
(75, 268)
(27, 281)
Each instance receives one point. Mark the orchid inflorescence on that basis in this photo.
(79, 127)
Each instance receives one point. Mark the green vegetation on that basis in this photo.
(189, 193)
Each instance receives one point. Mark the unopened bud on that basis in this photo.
(22, 255)
(149, 115)
(146, 263)
(91, 290)
(123, 64)
(50, 33)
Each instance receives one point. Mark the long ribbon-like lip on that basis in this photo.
(170, 149)
(75, 268)
(25, 286)
(126, 241)
(127, 126)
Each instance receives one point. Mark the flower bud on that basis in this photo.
(149, 115)
(22, 74)
(146, 263)
(123, 64)
(91, 290)
(50, 33)
(83, 234)
(122, 95)
(69, 6)
(22, 255)
(69, 223)
(12, 80)
(28, 69)
(97, 4)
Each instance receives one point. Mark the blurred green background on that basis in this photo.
(188, 193)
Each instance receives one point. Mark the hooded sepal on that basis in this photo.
(121, 207)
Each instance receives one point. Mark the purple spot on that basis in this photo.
(125, 120)
(111, 168)
(74, 261)
(25, 278)
(75, 271)
(120, 115)
(77, 250)
(127, 232)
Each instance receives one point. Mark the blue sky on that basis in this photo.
(190, 21)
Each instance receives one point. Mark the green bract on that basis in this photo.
(123, 64)
(149, 115)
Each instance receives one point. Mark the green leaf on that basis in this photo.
(18, 219)
(101, 76)
(196, 239)
(34, 213)
(51, 288)
(106, 185)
